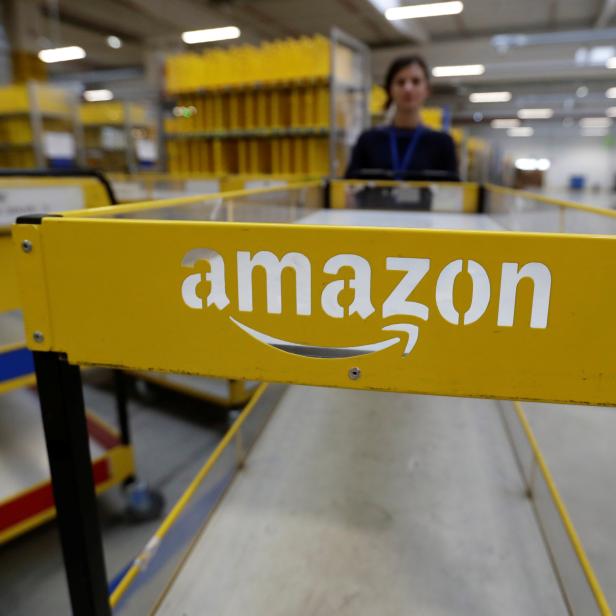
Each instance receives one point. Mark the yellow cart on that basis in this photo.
(408, 305)
(26, 498)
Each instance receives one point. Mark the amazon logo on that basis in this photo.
(400, 302)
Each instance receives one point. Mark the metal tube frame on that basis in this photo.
(66, 437)
(36, 122)
(131, 155)
(337, 37)
(68, 449)
(63, 411)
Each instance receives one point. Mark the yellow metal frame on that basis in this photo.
(9, 297)
(121, 464)
(24, 381)
(150, 181)
(143, 558)
(563, 203)
(520, 414)
(568, 256)
(120, 457)
(563, 513)
(73, 248)
(151, 206)
(238, 393)
(94, 194)
(470, 190)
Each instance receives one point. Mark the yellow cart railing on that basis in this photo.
(429, 196)
(529, 211)
(23, 193)
(268, 298)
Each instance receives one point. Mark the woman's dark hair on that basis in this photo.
(397, 65)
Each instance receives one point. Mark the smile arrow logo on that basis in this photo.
(326, 352)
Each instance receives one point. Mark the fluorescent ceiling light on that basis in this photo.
(610, 93)
(595, 122)
(601, 55)
(490, 97)
(532, 164)
(574, 37)
(505, 123)
(610, 112)
(61, 54)
(521, 131)
(417, 11)
(115, 42)
(210, 35)
(543, 164)
(594, 56)
(611, 63)
(459, 71)
(535, 114)
(93, 96)
(594, 132)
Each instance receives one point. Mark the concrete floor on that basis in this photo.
(371, 503)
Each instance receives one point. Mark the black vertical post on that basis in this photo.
(121, 395)
(120, 386)
(66, 435)
(481, 199)
(327, 197)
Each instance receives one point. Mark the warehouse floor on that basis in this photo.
(173, 435)
(361, 503)
(172, 438)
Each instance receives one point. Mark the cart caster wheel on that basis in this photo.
(143, 503)
(146, 392)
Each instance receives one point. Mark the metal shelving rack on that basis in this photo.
(29, 114)
(127, 118)
(350, 85)
(271, 126)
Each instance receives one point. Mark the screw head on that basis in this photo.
(38, 336)
(354, 373)
(26, 246)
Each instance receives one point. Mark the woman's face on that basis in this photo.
(409, 88)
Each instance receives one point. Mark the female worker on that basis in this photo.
(405, 145)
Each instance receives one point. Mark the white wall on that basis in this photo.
(569, 155)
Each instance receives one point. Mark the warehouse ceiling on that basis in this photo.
(145, 22)
(364, 20)
(553, 59)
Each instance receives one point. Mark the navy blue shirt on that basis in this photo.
(435, 151)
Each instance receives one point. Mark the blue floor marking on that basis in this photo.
(16, 363)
